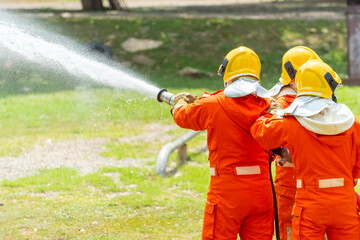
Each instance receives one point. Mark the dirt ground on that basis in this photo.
(251, 9)
(81, 154)
(76, 5)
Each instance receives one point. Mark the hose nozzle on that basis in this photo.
(165, 96)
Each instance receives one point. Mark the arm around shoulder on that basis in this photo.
(269, 132)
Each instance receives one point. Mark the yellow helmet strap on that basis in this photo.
(332, 83)
(223, 67)
(290, 69)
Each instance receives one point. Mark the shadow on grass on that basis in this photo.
(55, 11)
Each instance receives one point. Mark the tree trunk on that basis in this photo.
(89, 5)
(119, 5)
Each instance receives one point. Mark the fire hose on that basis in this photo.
(277, 230)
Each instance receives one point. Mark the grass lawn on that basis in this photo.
(132, 202)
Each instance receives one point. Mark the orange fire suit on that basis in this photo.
(326, 167)
(285, 185)
(239, 200)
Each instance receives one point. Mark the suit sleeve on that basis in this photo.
(192, 116)
(269, 133)
(285, 100)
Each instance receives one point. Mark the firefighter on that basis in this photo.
(323, 138)
(285, 92)
(239, 200)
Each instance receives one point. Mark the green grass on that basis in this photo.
(132, 202)
(60, 203)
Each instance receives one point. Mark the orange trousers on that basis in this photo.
(285, 188)
(316, 213)
(238, 205)
(285, 205)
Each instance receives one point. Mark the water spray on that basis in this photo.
(54, 52)
(45, 49)
(164, 96)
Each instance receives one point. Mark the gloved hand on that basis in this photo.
(286, 159)
(358, 200)
(284, 153)
(274, 107)
(184, 97)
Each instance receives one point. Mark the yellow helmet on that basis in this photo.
(293, 59)
(316, 78)
(240, 62)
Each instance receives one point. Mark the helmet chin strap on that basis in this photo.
(332, 83)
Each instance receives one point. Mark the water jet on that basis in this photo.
(33, 44)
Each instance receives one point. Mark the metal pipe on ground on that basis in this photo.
(166, 150)
(164, 154)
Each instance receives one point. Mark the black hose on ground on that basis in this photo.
(277, 230)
